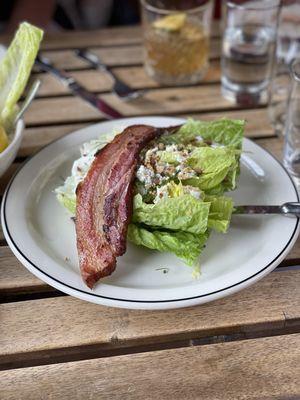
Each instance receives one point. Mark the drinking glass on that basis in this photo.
(291, 156)
(287, 49)
(248, 49)
(176, 39)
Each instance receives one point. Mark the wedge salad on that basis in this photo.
(179, 186)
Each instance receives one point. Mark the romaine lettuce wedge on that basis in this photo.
(183, 213)
(220, 213)
(228, 132)
(15, 69)
(213, 165)
(186, 246)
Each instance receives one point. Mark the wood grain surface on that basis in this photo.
(97, 81)
(165, 101)
(53, 346)
(111, 56)
(266, 369)
(66, 322)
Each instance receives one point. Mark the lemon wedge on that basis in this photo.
(172, 23)
(3, 139)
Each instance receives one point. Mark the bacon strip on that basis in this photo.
(104, 202)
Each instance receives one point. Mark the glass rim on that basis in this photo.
(230, 3)
(163, 11)
(296, 74)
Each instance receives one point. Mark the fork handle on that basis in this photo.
(291, 208)
(95, 62)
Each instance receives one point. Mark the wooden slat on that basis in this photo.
(66, 322)
(14, 276)
(75, 39)
(36, 137)
(158, 101)
(274, 145)
(111, 56)
(266, 368)
(97, 81)
(60, 110)
(103, 37)
(115, 36)
(294, 255)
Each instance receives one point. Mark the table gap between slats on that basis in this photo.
(263, 368)
(80, 353)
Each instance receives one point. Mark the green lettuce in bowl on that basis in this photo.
(15, 69)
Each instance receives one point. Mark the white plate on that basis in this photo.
(42, 235)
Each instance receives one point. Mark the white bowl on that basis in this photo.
(9, 154)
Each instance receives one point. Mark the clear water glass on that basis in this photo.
(291, 156)
(248, 49)
(287, 49)
(176, 39)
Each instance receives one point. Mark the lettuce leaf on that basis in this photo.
(187, 246)
(184, 213)
(68, 201)
(15, 69)
(168, 157)
(228, 132)
(220, 213)
(214, 165)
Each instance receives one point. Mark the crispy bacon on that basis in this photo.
(104, 202)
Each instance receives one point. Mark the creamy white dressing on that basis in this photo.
(161, 193)
(145, 175)
(83, 163)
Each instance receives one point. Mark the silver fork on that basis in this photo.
(120, 88)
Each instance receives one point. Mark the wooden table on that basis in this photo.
(53, 346)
